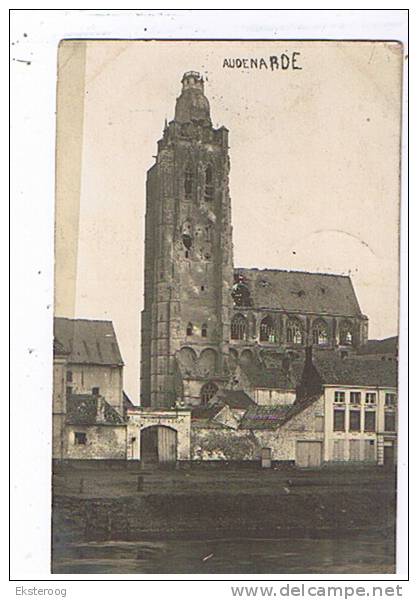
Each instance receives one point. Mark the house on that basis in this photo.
(88, 401)
(94, 362)
(360, 407)
(285, 434)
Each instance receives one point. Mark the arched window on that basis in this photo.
(189, 329)
(208, 183)
(204, 330)
(208, 391)
(238, 327)
(320, 334)
(346, 333)
(267, 330)
(188, 181)
(294, 332)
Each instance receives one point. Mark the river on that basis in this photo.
(364, 554)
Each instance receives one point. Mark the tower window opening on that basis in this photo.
(202, 288)
(188, 182)
(238, 328)
(208, 183)
(204, 330)
(186, 254)
(189, 329)
(187, 241)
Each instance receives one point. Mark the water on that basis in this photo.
(243, 555)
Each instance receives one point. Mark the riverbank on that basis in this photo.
(99, 506)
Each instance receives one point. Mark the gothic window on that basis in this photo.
(346, 333)
(320, 335)
(208, 183)
(204, 330)
(238, 327)
(189, 329)
(188, 181)
(294, 332)
(267, 330)
(208, 391)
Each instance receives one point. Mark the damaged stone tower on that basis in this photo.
(188, 258)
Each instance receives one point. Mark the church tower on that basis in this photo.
(188, 258)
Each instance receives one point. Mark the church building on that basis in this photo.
(209, 327)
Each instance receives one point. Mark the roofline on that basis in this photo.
(263, 270)
(353, 386)
(83, 319)
(96, 364)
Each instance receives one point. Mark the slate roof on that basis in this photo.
(264, 417)
(385, 346)
(364, 373)
(206, 412)
(274, 378)
(299, 291)
(86, 409)
(59, 349)
(235, 399)
(88, 341)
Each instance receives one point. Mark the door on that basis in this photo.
(158, 445)
(388, 455)
(167, 445)
(266, 458)
(309, 454)
(355, 450)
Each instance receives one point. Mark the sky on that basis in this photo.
(314, 178)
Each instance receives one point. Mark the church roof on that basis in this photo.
(385, 346)
(88, 341)
(299, 291)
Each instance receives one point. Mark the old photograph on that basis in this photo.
(225, 352)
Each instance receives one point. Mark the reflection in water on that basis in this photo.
(323, 556)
